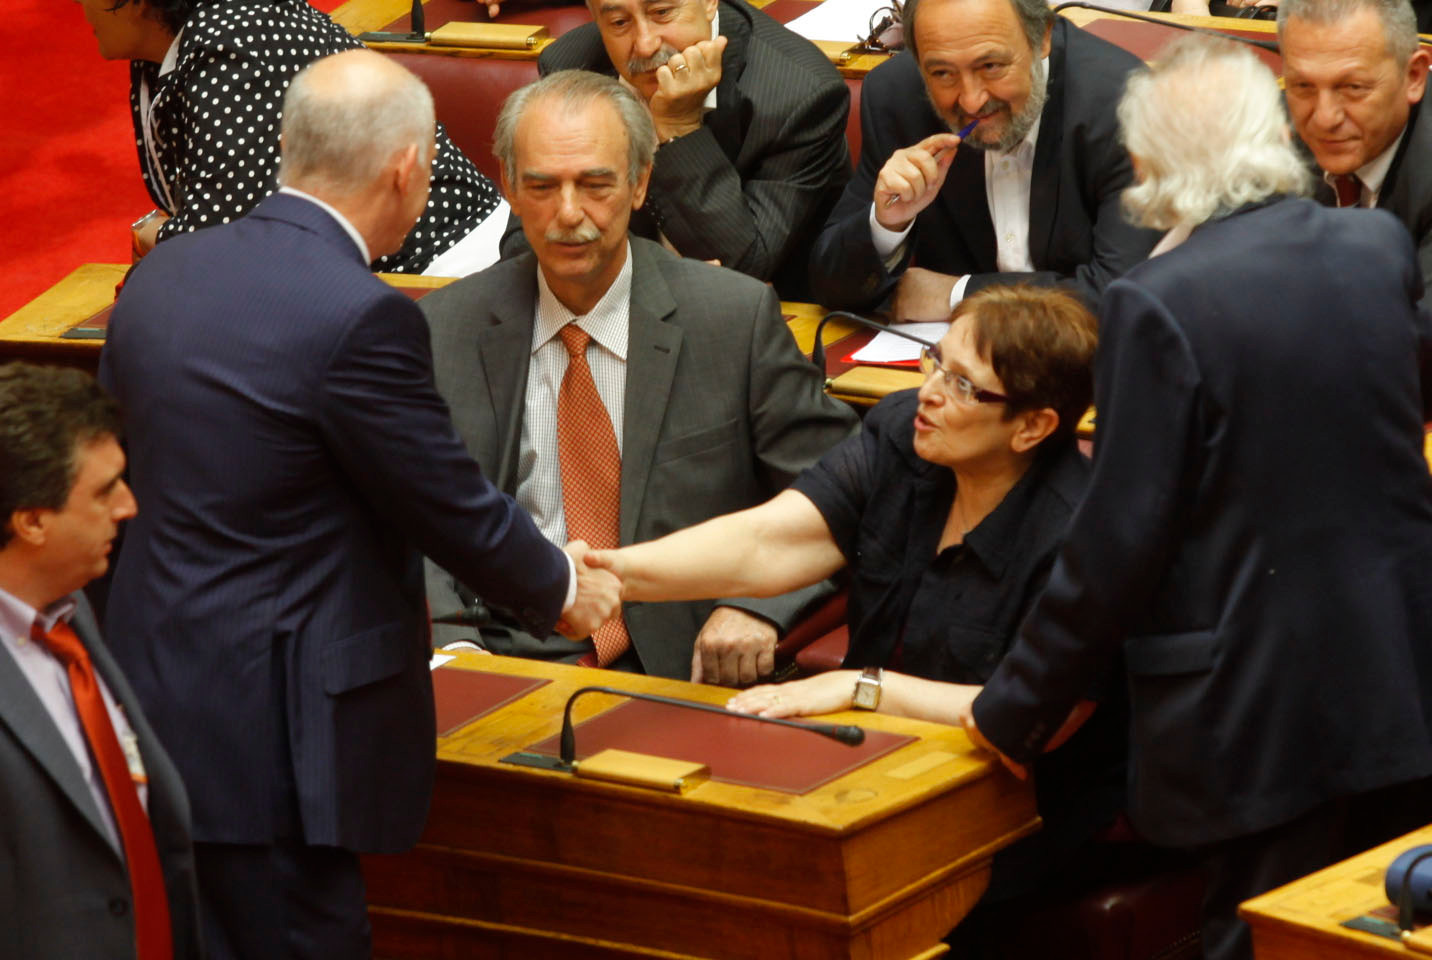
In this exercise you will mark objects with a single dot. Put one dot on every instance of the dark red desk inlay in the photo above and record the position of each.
(464, 695)
(737, 749)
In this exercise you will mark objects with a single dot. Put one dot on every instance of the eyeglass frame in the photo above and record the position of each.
(957, 386)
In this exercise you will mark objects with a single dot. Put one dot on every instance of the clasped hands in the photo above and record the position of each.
(599, 595)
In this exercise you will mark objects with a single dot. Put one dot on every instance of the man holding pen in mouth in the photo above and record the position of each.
(990, 155)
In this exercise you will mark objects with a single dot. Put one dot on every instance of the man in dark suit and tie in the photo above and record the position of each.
(702, 403)
(1256, 541)
(750, 119)
(1355, 77)
(1031, 194)
(294, 458)
(93, 820)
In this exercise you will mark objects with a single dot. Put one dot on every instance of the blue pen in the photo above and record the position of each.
(963, 132)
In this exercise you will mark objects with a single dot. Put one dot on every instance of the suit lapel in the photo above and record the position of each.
(1044, 178)
(725, 121)
(653, 347)
(31, 725)
(504, 350)
(1396, 191)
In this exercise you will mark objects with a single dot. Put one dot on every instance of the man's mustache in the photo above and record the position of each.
(585, 233)
(648, 64)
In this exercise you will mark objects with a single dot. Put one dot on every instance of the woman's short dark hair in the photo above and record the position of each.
(1040, 342)
(171, 13)
(46, 413)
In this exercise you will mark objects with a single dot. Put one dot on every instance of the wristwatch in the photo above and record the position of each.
(867, 689)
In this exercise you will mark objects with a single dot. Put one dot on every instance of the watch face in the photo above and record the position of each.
(867, 694)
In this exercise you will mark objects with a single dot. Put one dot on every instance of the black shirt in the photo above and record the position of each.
(952, 615)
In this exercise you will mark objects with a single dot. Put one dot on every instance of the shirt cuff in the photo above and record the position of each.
(957, 292)
(571, 584)
(889, 244)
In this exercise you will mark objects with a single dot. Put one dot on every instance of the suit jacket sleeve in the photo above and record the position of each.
(750, 220)
(392, 431)
(1121, 537)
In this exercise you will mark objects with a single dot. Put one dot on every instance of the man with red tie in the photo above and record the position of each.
(95, 859)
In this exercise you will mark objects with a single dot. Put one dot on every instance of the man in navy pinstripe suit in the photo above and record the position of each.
(292, 457)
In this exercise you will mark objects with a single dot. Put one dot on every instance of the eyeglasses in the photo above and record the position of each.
(957, 386)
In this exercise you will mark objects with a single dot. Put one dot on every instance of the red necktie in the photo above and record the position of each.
(146, 879)
(1349, 189)
(591, 472)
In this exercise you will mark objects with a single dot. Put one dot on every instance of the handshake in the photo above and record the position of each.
(599, 592)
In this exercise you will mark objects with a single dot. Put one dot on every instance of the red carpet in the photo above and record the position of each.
(69, 174)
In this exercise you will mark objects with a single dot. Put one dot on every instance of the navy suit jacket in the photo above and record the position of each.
(64, 890)
(1257, 535)
(1077, 233)
(291, 458)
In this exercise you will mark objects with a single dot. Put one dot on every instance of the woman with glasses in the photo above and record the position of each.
(947, 510)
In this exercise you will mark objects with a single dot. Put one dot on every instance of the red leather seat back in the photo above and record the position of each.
(852, 123)
(468, 92)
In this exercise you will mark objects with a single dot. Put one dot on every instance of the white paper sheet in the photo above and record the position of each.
(888, 348)
(847, 21)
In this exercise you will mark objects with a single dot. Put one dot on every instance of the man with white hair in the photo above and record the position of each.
(1256, 542)
(1356, 78)
(293, 458)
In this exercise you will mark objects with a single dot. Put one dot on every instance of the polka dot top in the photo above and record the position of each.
(216, 117)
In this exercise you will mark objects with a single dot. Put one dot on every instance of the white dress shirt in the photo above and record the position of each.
(539, 471)
(1372, 174)
(1007, 182)
(51, 683)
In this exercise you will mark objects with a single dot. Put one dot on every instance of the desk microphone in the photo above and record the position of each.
(418, 33)
(1261, 44)
(817, 350)
(847, 734)
(1408, 884)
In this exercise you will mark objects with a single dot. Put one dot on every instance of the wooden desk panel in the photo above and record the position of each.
(1304, 919)
(518, 862)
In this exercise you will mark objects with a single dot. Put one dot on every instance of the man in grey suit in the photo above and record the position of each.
(705, 403)
(1355, 79)
(750, 119)
(67, 849)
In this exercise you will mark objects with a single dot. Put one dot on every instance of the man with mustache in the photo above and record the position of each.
(1032, 194)
(617, 391)
(750, 124)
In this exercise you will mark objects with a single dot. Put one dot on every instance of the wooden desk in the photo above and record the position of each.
(532, 864)
(1304, 919)
(35, 331)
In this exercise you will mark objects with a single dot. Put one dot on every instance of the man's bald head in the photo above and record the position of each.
(346, 116)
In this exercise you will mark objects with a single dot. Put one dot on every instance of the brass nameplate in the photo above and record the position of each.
(491, 36)
(640, 770)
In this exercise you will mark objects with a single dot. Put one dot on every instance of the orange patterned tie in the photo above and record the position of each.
(591, 472)
(146, 877)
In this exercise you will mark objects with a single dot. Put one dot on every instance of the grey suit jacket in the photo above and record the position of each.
(721, 410)
(64, 891)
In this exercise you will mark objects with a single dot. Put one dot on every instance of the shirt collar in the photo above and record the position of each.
(171, 56)
(995, 536)
(348, 228)
(605, 322)
(1374, 172)
(17, 616)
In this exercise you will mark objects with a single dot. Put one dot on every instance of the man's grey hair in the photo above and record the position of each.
(338, 134)
(573, 89)
(1035, 17)
(1207, 126)
(1399, 23)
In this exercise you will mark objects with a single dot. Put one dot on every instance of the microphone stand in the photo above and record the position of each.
(817, 350)
(417, 34)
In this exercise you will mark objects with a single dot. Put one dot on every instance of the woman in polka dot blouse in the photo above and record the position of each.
(207, 79)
